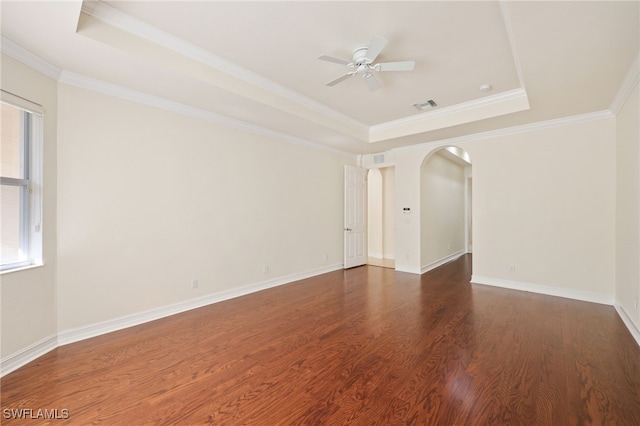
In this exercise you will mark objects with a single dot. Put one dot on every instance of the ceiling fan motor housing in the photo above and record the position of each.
(362, 64)
(359, 56)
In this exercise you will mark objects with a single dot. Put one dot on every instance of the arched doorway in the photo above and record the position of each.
(445, 206)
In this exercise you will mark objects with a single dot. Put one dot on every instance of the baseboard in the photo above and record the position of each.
(26, 355)
(562, 292)
(93, 330)
(391, 256)
(627, 321)
(584, 296)
(434, 265)
(37, 349)
(376, 255)
(407, 268)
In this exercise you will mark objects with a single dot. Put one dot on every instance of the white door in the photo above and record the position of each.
(355, 216)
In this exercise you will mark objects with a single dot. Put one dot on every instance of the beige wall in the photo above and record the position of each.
(150, 200)
(381, 212)
(28, 298)
(543, 202)
(627, 208)
(375, 214)
(442, 207)
(388, 212)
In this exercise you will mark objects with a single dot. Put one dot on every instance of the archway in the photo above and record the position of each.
(445, 206)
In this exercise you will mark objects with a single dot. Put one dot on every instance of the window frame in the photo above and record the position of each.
(30, 183)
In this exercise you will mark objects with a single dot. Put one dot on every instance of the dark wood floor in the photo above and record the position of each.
(367, 346)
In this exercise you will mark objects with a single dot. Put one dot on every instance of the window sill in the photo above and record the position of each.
(21, 268)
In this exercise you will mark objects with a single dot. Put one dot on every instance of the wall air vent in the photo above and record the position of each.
(378, 159)
(426, 105)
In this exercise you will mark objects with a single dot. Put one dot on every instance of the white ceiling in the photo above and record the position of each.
(257, 61)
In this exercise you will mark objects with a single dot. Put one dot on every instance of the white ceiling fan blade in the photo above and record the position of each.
(339, 79)
(334, 60)
(375, 47)
(395, 66)
(371, 81)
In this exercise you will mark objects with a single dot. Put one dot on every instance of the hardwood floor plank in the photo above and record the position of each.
(366, 346)
(552, 382)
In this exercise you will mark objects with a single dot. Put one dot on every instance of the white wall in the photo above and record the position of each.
(28, 297)
(375, 206)
(381, 213)
(388, 212)
(543, 202)
(442, 209)
(627, 208)
(150, 200)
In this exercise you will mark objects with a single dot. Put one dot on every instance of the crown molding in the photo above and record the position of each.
(132, 25)
(447, 111)
(628, 84)
(507, 131)
(498, 104)
(35, 62)
(547, 124)
(512, 101)
(31, 60)
(114, 90)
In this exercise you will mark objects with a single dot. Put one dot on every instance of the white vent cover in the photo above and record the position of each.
(423, 106)
(378, 159)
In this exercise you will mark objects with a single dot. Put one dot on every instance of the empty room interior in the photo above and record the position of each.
(320, 212)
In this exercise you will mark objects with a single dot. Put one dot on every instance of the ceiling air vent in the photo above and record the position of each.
(378, 159)
(426, 105)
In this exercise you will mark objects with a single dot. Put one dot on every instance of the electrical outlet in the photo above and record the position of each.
(265, 269)
(636, 304)
(512, 268)
(194, 283)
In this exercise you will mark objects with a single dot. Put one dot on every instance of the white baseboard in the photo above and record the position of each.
(37, 349)
(627, 321)
(377, 255)
(407, 268)
(584, 296)
(563, 292)
(93, 330)
(434, 265)
(26, 355)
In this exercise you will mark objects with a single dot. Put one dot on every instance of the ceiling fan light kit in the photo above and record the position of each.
(362, 62)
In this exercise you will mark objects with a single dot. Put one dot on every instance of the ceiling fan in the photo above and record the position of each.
(363, 65)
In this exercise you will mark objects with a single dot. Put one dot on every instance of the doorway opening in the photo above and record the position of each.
(381, 217)
(445, 207)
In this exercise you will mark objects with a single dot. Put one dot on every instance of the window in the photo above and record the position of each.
(20, 183)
